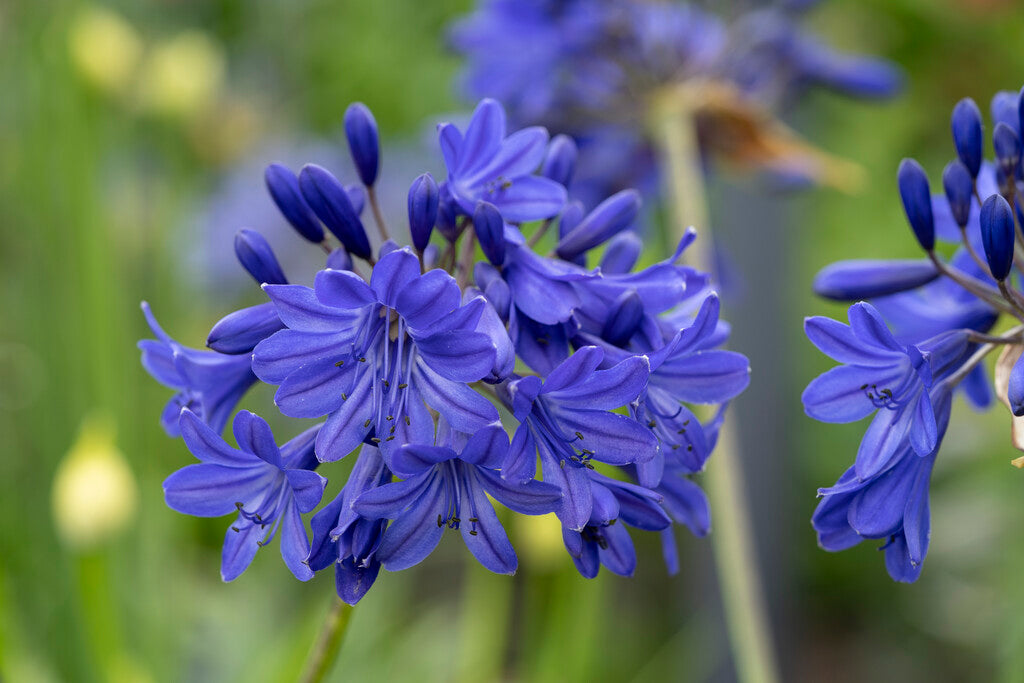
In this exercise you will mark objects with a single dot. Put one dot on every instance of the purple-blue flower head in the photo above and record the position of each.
(267, 486)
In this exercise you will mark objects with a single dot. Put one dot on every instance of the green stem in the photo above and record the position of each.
(328, 642)
(735, 557)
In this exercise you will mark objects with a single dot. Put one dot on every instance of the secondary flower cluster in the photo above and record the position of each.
(596, 69)
(923, 336)
(449, 367)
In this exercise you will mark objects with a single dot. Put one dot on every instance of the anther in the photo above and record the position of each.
(236, 529)
(579, 436)
(367, 423)
(472, 532)
(652, 424)
(375, 439)
(362, 359)
(390, 438)
(407, 421)
(339, 363)
(403, 385)
(440, 522)
(344, 396)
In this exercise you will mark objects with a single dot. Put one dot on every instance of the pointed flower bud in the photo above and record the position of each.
(997, 235)
(609, 218)
(560, 162)
(622, 253)
(623, 319)
(967, 137)
(258, 258)
(917, 202)
(357, 197)
(1006, 143)
(331, 203)
(866, 279)
(424, 198)
(490, 230)
(363, 141)
(284, 190)
(959, 187)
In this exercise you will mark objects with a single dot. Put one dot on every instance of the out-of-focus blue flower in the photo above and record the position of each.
(925, 336)
(591, 68)
(267, 486)
(208, 383)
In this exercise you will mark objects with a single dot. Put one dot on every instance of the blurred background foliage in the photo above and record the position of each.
(126, 131)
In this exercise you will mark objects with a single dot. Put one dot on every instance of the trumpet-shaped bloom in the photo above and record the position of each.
(267, 486)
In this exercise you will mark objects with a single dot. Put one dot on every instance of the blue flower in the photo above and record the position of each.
(374, 356)
(604, 539)
(447, 485)
(891, 505)
(566, 419)
(208, 383)
(486, 165)
(267, 486)
(879, 374)
(342, 538)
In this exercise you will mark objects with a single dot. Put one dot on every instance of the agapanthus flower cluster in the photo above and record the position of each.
(923, 337)
(598, 69)
(450, 367)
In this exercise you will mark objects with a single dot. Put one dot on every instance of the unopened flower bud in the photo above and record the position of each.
(609, 218)
(490, 231)
(967, 136)
(256, 256)
(560, 162)
(424, 198)
(284, 190)
(622, 253)
(363, 141)
(917, 202)
(1006, 143)
(959, 187)
(332, 205)
(997, 235)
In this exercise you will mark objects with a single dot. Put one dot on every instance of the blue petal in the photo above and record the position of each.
(348, 426)
(207, 445)
(299, 309)
(619, 555)
(877, 510)
(528, 198)
(521, 464)
(869, 327)
(608, 389)
(485, 538)
(241, 542)
(458, 355)
(837, 396)
(413, 459)
(287, 351)
(433, 295)
(307, 487)
(614, 439)
(214, 490)
(886, 434)
(390, 500)
(577, 498)
(314, 390)
(867, 279)
(392, 274)
(924, 432)
(898, 562)
(352, 582)
(520, 154)
(463, 408)
(483, 137)
(295, 543)
(342, 289)
(415, 533)
(687, 503)
(531, 498)
(838, 342)
(706, 376)
(574, 371)
(831, 521)
(487, 447)
(254, 436)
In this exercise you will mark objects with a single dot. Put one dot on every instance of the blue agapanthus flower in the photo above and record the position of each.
(594, 69)
(923, 336)
(450, 366)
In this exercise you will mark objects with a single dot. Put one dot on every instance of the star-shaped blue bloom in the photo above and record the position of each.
(269, 487)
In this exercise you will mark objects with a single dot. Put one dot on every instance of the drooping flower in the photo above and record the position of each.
(208, 383)
(448, 485)
(267, 486)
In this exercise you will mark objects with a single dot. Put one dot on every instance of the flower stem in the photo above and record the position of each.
(328, 642)
(736, 559)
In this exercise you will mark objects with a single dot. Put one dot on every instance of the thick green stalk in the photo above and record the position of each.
(328, 642)
(735, 556)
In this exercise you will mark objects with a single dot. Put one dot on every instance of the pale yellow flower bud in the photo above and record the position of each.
(182, 77)
(94, 490)
(104, 49)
